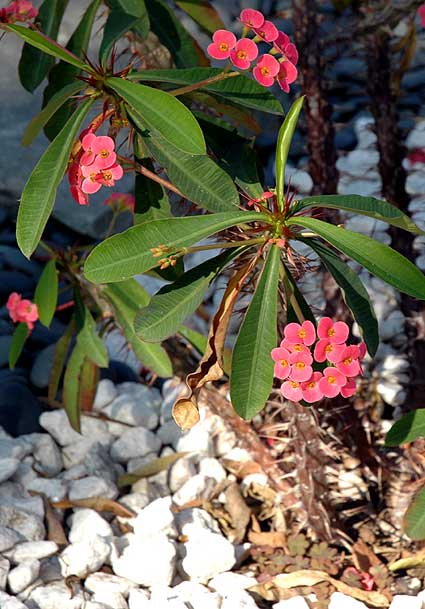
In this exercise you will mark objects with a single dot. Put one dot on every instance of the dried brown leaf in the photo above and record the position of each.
(274, 539)
(241, 469)
(238, 511)
(363, 557)
(99, 504)
(150, 469)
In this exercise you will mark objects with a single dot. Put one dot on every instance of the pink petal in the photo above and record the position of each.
(310, 330)
(225, 37)
(281, 42)
(329, 390)
(311, 390)
(280, 353)
(88, 140)
(281, 372)
(89, 187)
(214, 51)
(242, 64)
(103, 142)
(252, 18)
(79, 196)
(337, 377)
(320, 353)
(325, 324)
(266, 81)
(341, 332)
(268, 31)
(301, 356)
(291, 391)
(349, 389)
(292, 53)
(300, 374)
(421, 12)
(104, 162)
(334, 352)
(288, 71)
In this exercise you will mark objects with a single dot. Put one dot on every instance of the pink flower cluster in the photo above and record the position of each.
(294, 361)
(121, 201)
(22, 310)
(19, 10)
(243, 52)
(94, 166)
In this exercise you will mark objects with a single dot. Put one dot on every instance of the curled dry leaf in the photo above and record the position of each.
(410, 562)
(241, 469)
(185, 410)
(273, 539)
(150, 469)
(305, 577)
(100, 504)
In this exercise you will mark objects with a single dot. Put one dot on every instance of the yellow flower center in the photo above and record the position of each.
(266, 72)
(294, 385)
(241, 54)
(283, 363)
(348, 361)
(107, 175)
(104, 153)
(302, 333)
(329, 348)
(331, 380)
(300, 365)
(223, 46)
(298, 348)
(311, 385)
(331, 332)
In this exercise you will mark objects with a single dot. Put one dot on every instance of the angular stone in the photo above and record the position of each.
(28, 525)
(54, 596)
(4, 572)
(197, 487)
(92, 486)
(8, 466)
(8, 538)
(108, 583)
(84, 557)
(342, 601)
(201, 565)
(105, 393)
(155, 518)
(127, 408)
(23, 575)
(136, 442)
(33, 549)
(86, 524)
(149, 563)
(54, 489)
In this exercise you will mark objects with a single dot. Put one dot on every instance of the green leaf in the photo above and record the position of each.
(197, 176)
(379, 259)
(18, 341)
(46, 293)
(407, 428)
(71, 387)
(35, 64)
(129, 253)
(89, 341)
(137, 8)
(126, 298)
(196, 339)
(252, 365)
(38, 197)
(169, 307)
(354, 293)
(117, 24)
(367, 206)
(150, 469)
(162, 113)
(55, 102)
(284, 140)
(59, 359)
(238, 89)
(183, 48)
(203, 13)
(62, 74)
(414, 518)
(152, 201)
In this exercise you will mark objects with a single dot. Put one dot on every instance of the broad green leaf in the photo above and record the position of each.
(367, 206)
(284, 140)
(46, 293)
(152, 201)
(62, 74)
(414, 518)
(162, 113)
(55, 102)
(236, 88)
(241, 164)
(71, 387)
(18, 341)
(59, 359)
(126, 298)
(203, 12)
(35, 64)
(117, 24)
(48, 46)
(38, 197)
(183, 48)
(129, 253)
(407, 428)
(169, 307)
(136, 8)
(198, 177)
(298, 309)
(90, 342)
(252, 365)
(354, 293)
(133, 8)
(379, 259)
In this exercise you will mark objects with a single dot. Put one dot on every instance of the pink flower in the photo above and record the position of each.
(267, 31)
(334, 332)
(311, 390)
(19, 10)
(349, 363)
(91, 182)
(266, 69)
(294, 347)
(287, 75)
(291, 390)
(332, 381)
(365, 578)
(223, 42)
(281, 367)
(304, 333)
(325, 350)
(252, 18)
(349, 388)
(301, 369)
(98, 149)
(283, 45)
(421, 12)
(362, 349)
(108, 176)
(244, 52)
(75, 178)
(22, 310)
(266, 195)
(121, 201)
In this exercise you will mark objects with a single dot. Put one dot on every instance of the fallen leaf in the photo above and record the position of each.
(150, 469)
(241, 469)
(100, 504)
(238, 511)
(363, 557)
(415, 560)
(273, 539)
(305, 577)
(210, 368)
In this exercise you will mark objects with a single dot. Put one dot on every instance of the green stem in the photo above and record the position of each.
(48, 249)
(290, 293)
(224, 245)
(203, 83)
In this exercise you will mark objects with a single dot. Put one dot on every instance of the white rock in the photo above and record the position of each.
(301, 180)
(14, 448)
(238, 454)
(8, 538)
(127, 408)
(28, 525)
(171, 391)
(200, 564)
(8, 466)
(87, 524)
(296, 602)
(164, 597)
(358, 162)
(147, 561)
(139, 599)
(112, 600)
(239, 600)
(155, 518)
(420, 262)
(23, 575)
(258, 479)
(106, 582)
(169, 432)
(136, 501)
(10, 602)
(180, 472)
(95, 605)
(136, 442)
(392, 393)
(105, 393)
(196, 596)
(226, 583)
(365, 225)
(212, 468)
(402, 601)
(415, 183)
(54, 596)
(55, 489)
(92, 486)
(57, 424)
(194, 521)
(93, 456)
(224, 442)
(342, 601)
(33, 549)
(143, 393)
(361, 186)
(197, 487)
(48, 457)
(84, 557)
(394, 324)
(4, 572)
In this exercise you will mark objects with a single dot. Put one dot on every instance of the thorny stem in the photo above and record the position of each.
(225, 245)
(152, 176)
(202, 83)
